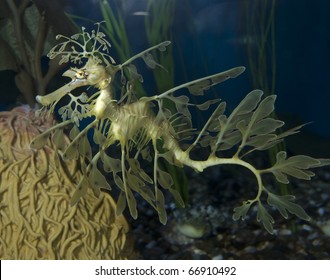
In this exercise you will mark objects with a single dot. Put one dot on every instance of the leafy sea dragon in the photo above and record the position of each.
(125, 124)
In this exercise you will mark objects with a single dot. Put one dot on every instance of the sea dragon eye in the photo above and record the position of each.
(81, 74)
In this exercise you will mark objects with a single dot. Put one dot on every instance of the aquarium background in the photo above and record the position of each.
(210, 36)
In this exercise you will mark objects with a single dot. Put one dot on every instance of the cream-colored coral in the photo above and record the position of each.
(36, 219)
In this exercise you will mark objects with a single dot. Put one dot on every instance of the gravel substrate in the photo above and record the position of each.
(213, 195)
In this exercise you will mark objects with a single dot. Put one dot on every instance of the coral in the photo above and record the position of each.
(36, 219)
(142, 129)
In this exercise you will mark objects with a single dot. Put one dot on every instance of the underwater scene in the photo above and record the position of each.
(164, 129)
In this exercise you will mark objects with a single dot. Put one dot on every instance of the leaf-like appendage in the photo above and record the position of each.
(164, 179)
(160, 206)
(227, 136)
(206, 105)
(40, 141)
(146, 54)
(296, 166)
(265, 108)
(162, 46)
(149, 61)
(285, 203)
(260, 140)
(81, 46)
(98, 137)
(248, 104)
(71, 152)
(110, 164)
(134, 182)
(177, 197)
(137, 185)
(134, 75)
(199, 86)
(266, 126)
(256, 129)
(138, 171)
(181, 104)
(214, 124)
(85, 148)
(265, 218)
(77, 109)
(136, 178)
(119, 182)
(97, 180)
(74, 132)
(146, 155)
(131, 201)
(240, 212)
(134, 165)
(277, 138)
(58, 139)
(121, 203)
(80, 191)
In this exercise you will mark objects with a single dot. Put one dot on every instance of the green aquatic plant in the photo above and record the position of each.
(25, 37)
(130, 130)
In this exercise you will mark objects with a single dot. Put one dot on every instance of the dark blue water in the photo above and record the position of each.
(209, 37)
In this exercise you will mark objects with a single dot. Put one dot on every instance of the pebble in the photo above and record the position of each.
(326, 228)
(321, 211)
(307, 227)
(218, 257)
(250, 249)
(151, 244)
(285, 232)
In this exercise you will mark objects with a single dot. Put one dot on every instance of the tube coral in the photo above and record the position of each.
(36, 219)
